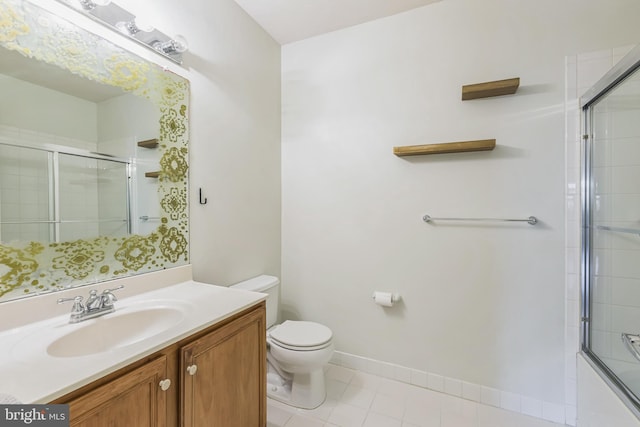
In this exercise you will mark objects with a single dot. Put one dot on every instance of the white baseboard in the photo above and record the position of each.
(549, 411)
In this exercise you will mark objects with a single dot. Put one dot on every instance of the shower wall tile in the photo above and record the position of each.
(601, 317)
(625, 207)
(625, 179)
(571, 266)
(625, 291)
(602, 177)
(573, 209)
(573, 310)
(570, 362)
(601, 342)
(601, 293)
(573, 287)
(625, 124)
(573, 236)
(625, 263)
(625, 318)
(626, 152)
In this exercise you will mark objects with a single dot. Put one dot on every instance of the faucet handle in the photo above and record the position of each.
(112, 289)
(77, 308)
(108, 298)
(93, 302)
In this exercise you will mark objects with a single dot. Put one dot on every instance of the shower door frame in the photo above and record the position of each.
(54, 152)
(623, 69)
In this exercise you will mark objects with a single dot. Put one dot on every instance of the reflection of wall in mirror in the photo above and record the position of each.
(123, 121)
(71, 121)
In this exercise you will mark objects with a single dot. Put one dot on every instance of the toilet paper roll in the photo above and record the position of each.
(384, 299)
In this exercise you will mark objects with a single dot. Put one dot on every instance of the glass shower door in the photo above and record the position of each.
(51, 196)
(26, 205)
(93, 197)
(611, 239)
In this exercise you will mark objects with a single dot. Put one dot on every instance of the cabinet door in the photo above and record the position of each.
(223, 375)
(134, 399)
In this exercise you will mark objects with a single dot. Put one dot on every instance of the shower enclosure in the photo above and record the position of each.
(611, 229)
(55, 194)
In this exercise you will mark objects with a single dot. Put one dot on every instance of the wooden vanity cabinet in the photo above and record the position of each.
(134, 399)
(217, 379)
(223, 376)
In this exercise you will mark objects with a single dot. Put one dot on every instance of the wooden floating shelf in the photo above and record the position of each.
(149, 143)
(489, 89)
(152, 174)
(448, 147)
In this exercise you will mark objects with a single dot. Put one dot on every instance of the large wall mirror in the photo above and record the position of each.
(93, 158)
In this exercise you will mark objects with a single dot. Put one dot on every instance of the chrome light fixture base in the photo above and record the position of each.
(124, 22)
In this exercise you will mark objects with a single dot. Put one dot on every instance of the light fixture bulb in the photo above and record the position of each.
(143, 24)
(126, 27)
(180, 43)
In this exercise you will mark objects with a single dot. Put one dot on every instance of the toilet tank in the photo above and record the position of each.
(267, 285)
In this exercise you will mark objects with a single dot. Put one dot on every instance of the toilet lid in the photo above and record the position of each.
(301, 334)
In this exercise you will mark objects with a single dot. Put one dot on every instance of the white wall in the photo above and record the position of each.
(483, 304)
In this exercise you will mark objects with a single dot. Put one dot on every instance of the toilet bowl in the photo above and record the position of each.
(297, 352)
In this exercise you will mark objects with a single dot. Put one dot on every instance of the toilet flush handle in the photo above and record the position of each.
(192, 369)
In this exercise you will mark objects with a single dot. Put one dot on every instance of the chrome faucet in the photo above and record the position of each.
(96, 305)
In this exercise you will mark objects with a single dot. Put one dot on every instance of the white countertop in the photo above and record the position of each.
(32, 375)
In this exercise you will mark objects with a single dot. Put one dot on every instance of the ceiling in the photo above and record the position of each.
(288, 21)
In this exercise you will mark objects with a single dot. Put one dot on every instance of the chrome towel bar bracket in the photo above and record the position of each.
(531, 220)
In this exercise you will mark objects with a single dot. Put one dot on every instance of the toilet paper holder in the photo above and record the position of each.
(385, 299)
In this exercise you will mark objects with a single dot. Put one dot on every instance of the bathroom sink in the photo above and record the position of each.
(116, 330)
(128, 325)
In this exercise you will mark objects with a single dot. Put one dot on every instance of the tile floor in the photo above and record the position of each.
(357, 399)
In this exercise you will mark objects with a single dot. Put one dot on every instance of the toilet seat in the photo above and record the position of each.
(301, 335)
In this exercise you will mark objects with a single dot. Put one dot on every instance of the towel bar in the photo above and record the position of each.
(531, 220)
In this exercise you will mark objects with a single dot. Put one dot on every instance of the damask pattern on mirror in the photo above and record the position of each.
(146, 227)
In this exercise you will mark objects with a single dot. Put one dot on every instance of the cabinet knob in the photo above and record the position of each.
(165, 384)
(192, 369)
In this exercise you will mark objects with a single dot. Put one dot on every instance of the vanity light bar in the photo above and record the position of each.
(124, 22)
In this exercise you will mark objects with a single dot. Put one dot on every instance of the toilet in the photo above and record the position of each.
(297, 351)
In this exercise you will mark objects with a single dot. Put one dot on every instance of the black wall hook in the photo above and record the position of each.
(202, 202)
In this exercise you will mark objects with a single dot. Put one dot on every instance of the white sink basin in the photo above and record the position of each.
(128, 325)
(115, 330)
